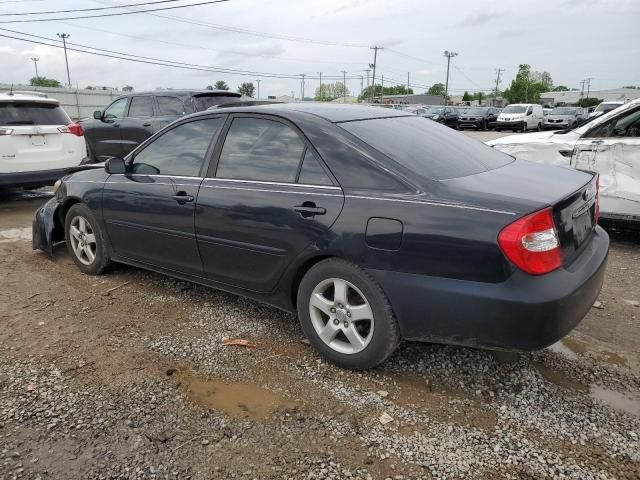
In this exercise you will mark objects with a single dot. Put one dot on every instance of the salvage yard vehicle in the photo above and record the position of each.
(372, 224)
(38, 140)
(606, 107)
(130, 119)
(445, 115)
(480, 118)
(520, 116)
(608, 144)
(564, 117)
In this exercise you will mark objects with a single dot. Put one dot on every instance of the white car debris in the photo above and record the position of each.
(609, 145)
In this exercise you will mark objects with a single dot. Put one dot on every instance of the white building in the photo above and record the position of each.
(573, 97)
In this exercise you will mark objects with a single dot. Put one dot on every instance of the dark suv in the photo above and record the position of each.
(445, 115)
(132, 118)
(480, 118)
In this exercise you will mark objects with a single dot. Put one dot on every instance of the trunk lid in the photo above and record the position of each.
(523, 187)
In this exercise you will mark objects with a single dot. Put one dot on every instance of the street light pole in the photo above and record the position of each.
(449, 56)
(35, 63)
(258, 82)
(64, 37)
(321, 96)
(302, 86)
(344, 85)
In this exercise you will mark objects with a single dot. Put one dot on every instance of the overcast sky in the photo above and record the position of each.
(571, 39)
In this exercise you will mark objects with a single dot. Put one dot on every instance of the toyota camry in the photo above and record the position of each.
(373, 225)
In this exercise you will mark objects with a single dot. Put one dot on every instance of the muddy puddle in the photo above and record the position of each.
(559, 378)
(572, 347)
(15, 234)
(240, 400)
(625, 402)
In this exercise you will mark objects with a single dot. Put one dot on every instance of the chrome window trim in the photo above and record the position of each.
(270, 191)
(280, 184)
(436, 204)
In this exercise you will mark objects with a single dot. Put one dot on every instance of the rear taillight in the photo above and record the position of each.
(6, 131)
(73, 128)
(597, 212)
(531, 243)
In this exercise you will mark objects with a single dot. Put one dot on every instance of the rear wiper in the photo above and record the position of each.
(24, 122)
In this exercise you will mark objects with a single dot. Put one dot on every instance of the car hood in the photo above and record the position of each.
(536, 137)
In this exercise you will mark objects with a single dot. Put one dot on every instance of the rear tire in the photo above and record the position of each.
(346, 316)
(539, 127)
(86, 243)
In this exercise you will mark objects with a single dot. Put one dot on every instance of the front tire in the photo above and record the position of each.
(85, 241)
(346, 316)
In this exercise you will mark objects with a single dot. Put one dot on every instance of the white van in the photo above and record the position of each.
(520, 116)
(38, 141)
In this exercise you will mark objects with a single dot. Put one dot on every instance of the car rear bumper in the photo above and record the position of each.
(32, 179)
(517, 124)
(523, 313)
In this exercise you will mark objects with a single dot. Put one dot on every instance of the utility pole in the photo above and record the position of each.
(582, 82)
(382, 95)
(407, 83)
(344, 84)
(589, 85)
(367, 70)
(302, 86)
(361, 83)
(449, 56)
(375, 49)
(498, 73)
(35, 63)
(258, 82)
(64, 37)
(321, 96)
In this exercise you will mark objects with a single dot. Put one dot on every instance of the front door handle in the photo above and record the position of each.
(116, 125)
(309, 209)
(182, 197)
(146, 124)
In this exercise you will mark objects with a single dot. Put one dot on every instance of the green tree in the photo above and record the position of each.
(528, 85)
(127, 88)
(560, 88)
(44, 82)
(209, 87)
(221, 85)
(466, 97)
(247, 89)
(436, 89)
(330, 91)
(631, 86)
(590, 102)
(394, 90)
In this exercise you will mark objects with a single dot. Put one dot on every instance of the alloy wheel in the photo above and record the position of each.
(83, 240)
(341, 316)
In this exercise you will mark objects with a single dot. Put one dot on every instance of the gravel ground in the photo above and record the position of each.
(103, 379)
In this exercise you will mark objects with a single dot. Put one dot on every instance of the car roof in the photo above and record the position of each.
(195, 93)
(27, 96)
(334, 113)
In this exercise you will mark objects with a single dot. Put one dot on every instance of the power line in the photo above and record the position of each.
(90, 9)
(152, 60)
(114, 14)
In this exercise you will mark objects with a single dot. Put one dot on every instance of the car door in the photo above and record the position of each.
(613, 150)
(266, 198)
(138, 124)
(105, 133)
(149, 210)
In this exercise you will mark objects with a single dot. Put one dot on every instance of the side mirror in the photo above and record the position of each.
(115, 165)
(97, 115)
(530, 113)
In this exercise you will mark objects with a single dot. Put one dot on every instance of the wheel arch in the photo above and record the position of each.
(301, 271)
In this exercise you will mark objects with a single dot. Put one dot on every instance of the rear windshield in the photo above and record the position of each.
(426, 148)
(32, 113)
(203, 102)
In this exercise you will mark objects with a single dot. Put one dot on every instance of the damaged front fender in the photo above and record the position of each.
(46, 227)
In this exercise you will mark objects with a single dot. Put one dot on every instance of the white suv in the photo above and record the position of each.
(38, 141)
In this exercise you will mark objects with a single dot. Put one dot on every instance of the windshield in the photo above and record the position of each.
(475, 111)
(434, 110)
(425, 148)
(606, 107)
(514, 109)
(32, 113)
(563, 111)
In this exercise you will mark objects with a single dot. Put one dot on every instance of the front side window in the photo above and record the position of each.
(312, 172)
(180, 151)
(260, 149)
(171, 105)
(116, 109)
(141, 107)
(627, 125)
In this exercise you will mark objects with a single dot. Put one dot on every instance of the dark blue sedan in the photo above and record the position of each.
(372, 224)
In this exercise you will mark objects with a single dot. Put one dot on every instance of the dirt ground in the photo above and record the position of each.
(127, 375)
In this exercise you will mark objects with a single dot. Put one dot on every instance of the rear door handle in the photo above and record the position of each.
(116, 125)
(146, 124)
(182, 197)
(309, 209)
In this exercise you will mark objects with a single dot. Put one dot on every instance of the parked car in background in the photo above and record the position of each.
(132, 118)
(564, 117)
(480, 118)
(520, 116)
(445, 115)
(38, 140)
(373, 225)
(608, 144)
(606, 107)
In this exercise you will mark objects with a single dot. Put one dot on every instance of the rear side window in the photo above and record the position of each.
(141, 107)
(171, 106)
(260, 149)
(32, 113)
(312, 172)
(427, 149)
